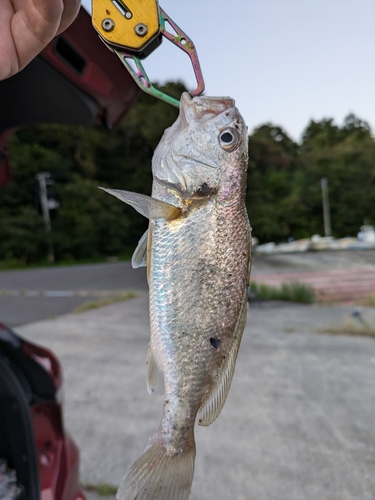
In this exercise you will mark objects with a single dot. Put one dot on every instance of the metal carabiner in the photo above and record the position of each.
(123, 39)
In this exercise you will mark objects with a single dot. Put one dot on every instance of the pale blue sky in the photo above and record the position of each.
(284, 61)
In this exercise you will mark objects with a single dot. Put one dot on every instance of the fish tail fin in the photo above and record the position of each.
(157, 475)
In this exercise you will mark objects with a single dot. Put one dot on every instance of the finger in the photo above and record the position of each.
(8, 56)
(71, 9)
(28, 27)
(41, 18)
(56, 16)
(33, 27)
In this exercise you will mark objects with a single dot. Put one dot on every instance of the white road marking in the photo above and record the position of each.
(62, 293)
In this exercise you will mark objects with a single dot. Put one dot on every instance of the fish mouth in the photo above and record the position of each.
(203, 108)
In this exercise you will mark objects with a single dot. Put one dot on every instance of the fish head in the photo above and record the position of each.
(194, 153)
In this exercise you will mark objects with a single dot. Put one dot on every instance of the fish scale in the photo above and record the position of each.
(202, 298)
(186, 316)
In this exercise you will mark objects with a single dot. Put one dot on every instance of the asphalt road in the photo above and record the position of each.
(298, 423)
(36, 294)
(55, 291)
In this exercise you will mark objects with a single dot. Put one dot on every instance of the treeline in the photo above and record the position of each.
(284, 190)
(283, 198)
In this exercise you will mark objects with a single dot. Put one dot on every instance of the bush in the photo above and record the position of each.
(291, 292)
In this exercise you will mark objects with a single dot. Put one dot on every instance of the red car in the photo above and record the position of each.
(39, 459)
(75, 80)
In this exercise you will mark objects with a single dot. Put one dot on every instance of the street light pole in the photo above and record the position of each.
(326, 209)
(41, 177)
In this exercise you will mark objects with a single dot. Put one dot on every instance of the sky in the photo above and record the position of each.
(283, 61)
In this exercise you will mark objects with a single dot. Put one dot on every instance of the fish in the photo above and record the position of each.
(197, 250)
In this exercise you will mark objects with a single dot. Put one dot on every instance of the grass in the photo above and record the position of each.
(102, 489)
(291, 292)
(368, 301)
(88, 306)
(349, 326)
(289, 329)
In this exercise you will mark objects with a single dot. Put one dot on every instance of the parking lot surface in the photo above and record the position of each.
(298, 423)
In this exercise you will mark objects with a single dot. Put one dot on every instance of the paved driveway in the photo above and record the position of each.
(298, 423)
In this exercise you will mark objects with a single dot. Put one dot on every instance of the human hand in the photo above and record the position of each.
(27, 26)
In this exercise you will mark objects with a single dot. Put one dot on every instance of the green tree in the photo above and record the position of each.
(89, 222)
(283, 197)
(271, 198)
(345, 156)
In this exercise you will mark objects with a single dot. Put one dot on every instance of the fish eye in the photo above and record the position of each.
(229, 139)
(226, 137)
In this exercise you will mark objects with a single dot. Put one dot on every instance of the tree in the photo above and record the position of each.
(272, 203)
(283, 196)
(89, 223)
(345, 156)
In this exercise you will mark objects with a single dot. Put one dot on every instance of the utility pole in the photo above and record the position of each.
(326, 209)
(42, 178)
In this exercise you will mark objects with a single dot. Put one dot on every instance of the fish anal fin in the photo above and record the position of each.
(139, 258)
(155, 378)
(146, 205)
(215, 399)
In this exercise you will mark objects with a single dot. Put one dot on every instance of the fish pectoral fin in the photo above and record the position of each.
(139, 258)
(215, 399)
(155, 378)
(146, 205)
(149, 246)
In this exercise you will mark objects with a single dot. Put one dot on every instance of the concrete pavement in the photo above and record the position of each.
(298, 423)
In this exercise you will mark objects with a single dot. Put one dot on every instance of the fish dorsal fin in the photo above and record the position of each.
(139, 258)
(215, 399)
(155, 378)
(146, 205)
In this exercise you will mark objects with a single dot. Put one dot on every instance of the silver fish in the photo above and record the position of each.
(198, 254)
